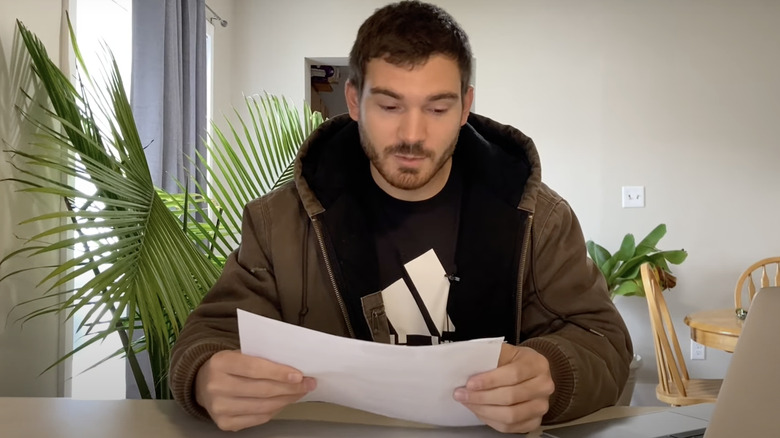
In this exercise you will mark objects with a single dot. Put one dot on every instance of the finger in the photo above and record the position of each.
(508, 353)
(233, 386)
(524, 427)
(241, 406)
(504, 417)
(525, 364)
(537, 387)
(236, 423)
(238, 364)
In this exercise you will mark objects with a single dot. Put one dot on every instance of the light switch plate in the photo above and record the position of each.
(633, 196)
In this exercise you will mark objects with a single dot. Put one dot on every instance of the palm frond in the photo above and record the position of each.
(254, 156)
(144, 264)
(152, 255)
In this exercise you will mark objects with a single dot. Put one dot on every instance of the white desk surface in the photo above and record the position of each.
(68, 418)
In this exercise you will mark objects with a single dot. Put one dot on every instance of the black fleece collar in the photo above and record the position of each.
(494, 154)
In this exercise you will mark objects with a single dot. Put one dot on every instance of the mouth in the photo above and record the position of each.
(409, 160)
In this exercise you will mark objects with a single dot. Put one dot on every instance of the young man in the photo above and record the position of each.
(412, 221)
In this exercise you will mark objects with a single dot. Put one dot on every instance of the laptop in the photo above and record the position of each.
(748, 401)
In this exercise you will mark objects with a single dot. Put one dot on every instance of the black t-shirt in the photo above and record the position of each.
(406, 232)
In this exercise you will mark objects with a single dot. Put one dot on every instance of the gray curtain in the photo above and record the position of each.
(168, 96)
(169, 86)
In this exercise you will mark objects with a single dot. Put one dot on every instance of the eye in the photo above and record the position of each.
(388, 108)
(439, 111)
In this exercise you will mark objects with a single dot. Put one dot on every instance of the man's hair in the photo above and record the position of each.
(408, 33)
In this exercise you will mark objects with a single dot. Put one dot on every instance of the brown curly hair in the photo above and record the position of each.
(407, 33)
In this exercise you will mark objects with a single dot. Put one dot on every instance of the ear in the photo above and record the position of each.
(352, 96)
(468, 99)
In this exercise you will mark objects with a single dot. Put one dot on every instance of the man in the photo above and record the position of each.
(412, 221)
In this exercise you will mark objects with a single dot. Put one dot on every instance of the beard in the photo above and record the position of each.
(403, 177)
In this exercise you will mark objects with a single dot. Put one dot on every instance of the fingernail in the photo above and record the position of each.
(310, 384)
(295, 377)
(473, 385)
(461, 395)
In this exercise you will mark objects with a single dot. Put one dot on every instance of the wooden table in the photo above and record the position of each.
(719, 328)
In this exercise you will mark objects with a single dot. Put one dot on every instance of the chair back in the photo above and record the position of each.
(672, 372)
(769, 268)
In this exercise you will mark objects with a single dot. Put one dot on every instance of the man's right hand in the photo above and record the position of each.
(240, 391)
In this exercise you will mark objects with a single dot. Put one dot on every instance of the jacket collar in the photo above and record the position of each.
(504, 159)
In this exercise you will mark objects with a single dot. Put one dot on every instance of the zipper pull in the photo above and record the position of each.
(595, 332)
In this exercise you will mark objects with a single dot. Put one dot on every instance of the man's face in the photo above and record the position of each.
(409, 120)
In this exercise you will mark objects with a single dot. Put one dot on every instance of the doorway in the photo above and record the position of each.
(325, 82)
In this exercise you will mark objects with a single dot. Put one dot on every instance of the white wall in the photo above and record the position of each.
(225, 94)
(681, 97)
(25, 351)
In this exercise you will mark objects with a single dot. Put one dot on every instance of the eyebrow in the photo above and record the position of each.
(434, 98)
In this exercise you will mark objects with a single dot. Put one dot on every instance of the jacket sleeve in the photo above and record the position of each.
(569, 318)
(247, 282)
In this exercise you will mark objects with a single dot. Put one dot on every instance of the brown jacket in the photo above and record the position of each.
(300, 257)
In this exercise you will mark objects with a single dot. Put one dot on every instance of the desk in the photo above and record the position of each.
(718, 328)
(68, 418)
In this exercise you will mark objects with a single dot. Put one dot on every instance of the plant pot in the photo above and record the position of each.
(628, 390)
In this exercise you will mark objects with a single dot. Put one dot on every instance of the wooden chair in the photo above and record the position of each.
(747, 277)
(674, 384)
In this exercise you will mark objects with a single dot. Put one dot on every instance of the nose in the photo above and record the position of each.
(412, 128)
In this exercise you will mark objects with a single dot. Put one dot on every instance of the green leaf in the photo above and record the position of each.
(630, 288)
(650, 242)
(597, 253)
(675, 257)
(625, 252)
(631, 269)
(627, 248)
(659, 259)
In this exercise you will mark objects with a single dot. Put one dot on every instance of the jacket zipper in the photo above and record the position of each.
(521, 275)
(342, 306)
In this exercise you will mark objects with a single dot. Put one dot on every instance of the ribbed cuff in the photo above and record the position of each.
(184, 371)
(563, 376)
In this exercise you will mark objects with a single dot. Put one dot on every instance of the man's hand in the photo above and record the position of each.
(240, 391)
(513, 397)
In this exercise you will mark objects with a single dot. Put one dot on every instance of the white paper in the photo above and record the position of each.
(410, 383)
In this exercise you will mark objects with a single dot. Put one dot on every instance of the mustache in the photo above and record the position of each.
(415, 149)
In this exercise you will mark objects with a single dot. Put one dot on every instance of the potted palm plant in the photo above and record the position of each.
(621, 272)
(151, 255)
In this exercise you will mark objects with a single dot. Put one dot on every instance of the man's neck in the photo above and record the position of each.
(429, 190)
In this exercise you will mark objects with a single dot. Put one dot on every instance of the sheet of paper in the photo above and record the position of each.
(410, 383)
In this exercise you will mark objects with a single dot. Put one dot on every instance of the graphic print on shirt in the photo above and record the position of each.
(430, 280)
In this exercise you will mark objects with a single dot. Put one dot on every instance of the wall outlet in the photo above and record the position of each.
(698, 351)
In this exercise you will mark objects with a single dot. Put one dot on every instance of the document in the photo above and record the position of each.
(409, 383)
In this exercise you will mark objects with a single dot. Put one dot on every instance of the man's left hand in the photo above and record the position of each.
(513, 397)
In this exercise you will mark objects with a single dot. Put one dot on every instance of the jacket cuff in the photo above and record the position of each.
(182, 376)
(562, 373)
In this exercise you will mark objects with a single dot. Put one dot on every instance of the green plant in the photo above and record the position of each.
(151, 255)
(621, 269)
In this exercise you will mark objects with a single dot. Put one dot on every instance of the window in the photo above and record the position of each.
(100, 23)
